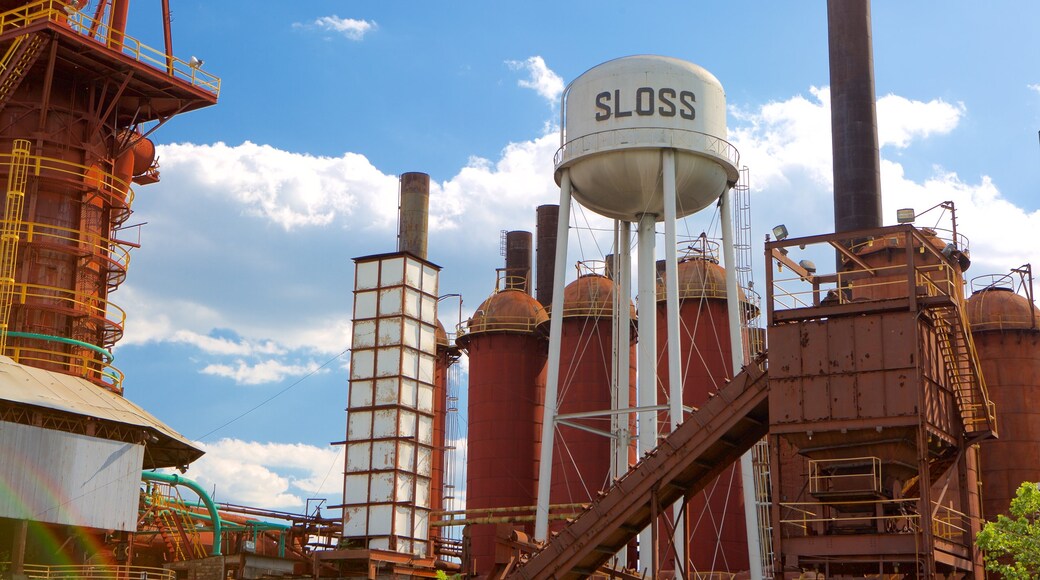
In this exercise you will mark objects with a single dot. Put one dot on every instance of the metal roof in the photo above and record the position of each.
(25, 385)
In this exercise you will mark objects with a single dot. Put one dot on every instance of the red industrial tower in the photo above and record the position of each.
(582, 465)
(507, 359)
(718, 541)
(79, 98)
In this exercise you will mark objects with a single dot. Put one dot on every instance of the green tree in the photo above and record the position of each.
(1012, 544)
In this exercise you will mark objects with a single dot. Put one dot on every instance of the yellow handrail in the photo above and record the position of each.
(54, 11)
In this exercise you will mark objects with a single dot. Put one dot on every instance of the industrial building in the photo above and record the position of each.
(861, 418)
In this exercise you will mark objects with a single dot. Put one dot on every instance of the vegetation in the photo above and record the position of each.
(1012, 544)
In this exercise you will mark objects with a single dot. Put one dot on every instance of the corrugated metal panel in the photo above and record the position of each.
(71, 479)
(52, 390)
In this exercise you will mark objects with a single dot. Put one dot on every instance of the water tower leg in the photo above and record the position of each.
(675, 379)
(747, 473)
(622, 380)
(647, 356)
(552, 380)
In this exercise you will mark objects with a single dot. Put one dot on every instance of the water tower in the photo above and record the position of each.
(642, 141)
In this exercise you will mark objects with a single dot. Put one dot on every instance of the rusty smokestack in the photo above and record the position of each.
(413, 221)
(548, 217)
(518, 260)
(854, 140)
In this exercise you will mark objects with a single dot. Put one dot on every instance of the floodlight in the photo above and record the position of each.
(905, 215)
(780, 232)
(195, 62)
(808, 265)
(949, 250)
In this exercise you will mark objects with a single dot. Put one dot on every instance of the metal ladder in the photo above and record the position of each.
(11, 231)
(749, 322)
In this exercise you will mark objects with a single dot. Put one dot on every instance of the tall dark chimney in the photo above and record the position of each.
(548, 217)
(854, 140)
(518, 260)
(414, 216)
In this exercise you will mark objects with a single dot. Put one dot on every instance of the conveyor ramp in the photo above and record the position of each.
(686, 461)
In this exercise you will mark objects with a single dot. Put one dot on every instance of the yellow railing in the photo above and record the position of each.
(111, 252)
(83, 363)
(111, 316)
(823, 473)
(1006, 322)
(95, 572)
(948, 523)
(898, 515)
(54, 11)
(495, 323)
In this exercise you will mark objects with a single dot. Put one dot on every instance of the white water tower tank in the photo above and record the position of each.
(619, 116)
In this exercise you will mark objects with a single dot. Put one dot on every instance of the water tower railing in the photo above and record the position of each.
(650, 138)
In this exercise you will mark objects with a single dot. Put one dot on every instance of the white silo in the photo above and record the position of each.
(643, 140)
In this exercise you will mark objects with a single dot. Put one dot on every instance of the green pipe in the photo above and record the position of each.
(253, 525)
(174, 479)
(62, 339)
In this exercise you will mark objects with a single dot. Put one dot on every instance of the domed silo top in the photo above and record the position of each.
(703, 279)
(1000, 308)
(619, 116)
(591, 296)
(509, 310)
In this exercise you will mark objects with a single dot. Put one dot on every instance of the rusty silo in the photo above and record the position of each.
(1006, 329)
(718, 541)
(583, 465)
(507, 359)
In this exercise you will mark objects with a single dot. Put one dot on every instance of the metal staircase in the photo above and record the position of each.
(707, 442)
(963, 371)
(20, 57)
(172, 521)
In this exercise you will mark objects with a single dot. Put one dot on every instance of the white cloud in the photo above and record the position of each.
(541, 79)
(289, 189)
(787, 146)
(900, 120)
(267, 371)
(272, 475)
(1035, 87)
(348, 27)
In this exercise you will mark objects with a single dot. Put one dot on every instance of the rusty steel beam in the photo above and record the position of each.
(854, 140)
(710, 439)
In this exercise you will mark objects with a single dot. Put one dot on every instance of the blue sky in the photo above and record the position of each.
(241, 291)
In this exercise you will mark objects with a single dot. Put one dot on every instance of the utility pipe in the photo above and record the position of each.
(174, 479)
